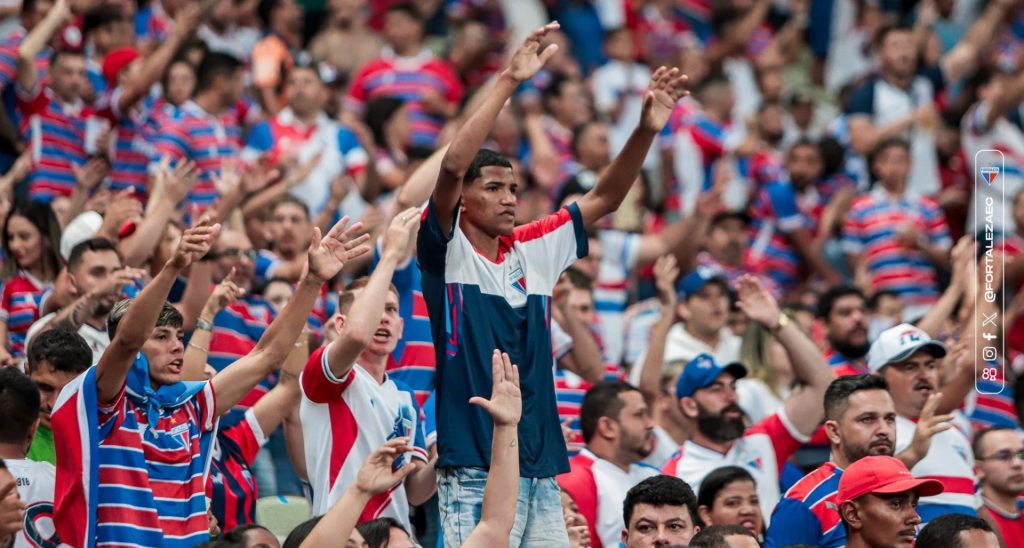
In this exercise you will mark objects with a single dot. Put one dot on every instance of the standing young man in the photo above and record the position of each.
(477, 265)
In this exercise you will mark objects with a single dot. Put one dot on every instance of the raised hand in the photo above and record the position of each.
(506, 403)
(401, 232)
(928, 425)
(528, 59)
(110, 292)
(229, 180)
(377, 474)
(226, 292)
(195, 242)
(756, 302)
(668, 85)
(666, 271)
(328, 254)
(89, 176)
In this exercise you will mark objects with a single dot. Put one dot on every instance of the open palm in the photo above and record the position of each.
(668, 85)
(756, 302)
(329, 254)
(506, 403)
(528, 59)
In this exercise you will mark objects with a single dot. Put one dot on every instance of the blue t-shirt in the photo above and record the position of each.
(509, 304)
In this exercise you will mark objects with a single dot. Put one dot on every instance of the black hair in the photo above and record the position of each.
(657, 491)
(165, 78)
(301, 531)
(832, 154)
(886, 30)
(64, 52)
(838, 393)
(62, 349)
(602, 400)
(579, 279)
(484, 158)
(805, 142)
(719, 479)
(101, 17)
(378, 113)
(944, 531)
(829, 298)
(876, 298)
(579, 131)
(554, 88)
(41, 217)
(214, 65)
(27, 6)
(19, 405)
(886, 144)
(377, 532)
(716, 536)
(979, 438)
(238, 533)
(169, 316)
(92, 244)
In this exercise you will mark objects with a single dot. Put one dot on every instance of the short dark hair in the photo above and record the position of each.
(407, 8)
(101, 17)
(979, 438)
(169, 316)
(579, 279)
(60, 53)
(554, 87)
(579, 131)
(299, 534)
(237, 535)
(602, 400)
(484, 158)
(886, 144)
(716, 535)
(293, 200)
(348, 295)
(63, 349)
(214, 65)
(719, 479)
(377, 532)
(265, 11)
(886, 30)
(660, 490)
(19, 405)
(876, 297)
(378, 113)
(92, 244)
(828, 299)
(944, 531)
(837, 395)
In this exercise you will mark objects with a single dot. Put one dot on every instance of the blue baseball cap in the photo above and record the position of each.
(696, 280)
(702, 371)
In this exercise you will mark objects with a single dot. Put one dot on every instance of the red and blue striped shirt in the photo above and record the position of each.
(779, 210)
(19, 308)
(56, 133)
(809, 512)
(231, 484)
(236, 330)
(135, 133)
(203, 138)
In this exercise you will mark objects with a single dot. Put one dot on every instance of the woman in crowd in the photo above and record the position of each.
(728, 496)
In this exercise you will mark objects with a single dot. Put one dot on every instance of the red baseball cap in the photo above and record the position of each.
(882, 475)
(116, 61)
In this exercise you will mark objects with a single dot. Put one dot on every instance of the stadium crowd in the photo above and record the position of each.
(551, 273)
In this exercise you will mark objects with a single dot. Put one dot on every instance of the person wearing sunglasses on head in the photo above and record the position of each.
(999, 467)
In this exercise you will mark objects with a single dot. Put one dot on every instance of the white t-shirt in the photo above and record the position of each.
(762, 451)
(681, 346)
(98, 340)
(757, 400)
(343, 421)
(35, 487)
(949, 461)
(612, 485)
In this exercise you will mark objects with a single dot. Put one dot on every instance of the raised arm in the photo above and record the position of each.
(272, 409)
(585, 357)
(962, 260)
(526, 62)
(198, 350)
(666, 270)
(35, 41)
(666, 87)
(376, 476)
(169, 188)
(803, 408)
(963, 58)
(138, 322)
(363, 318)
(185, 23)
(502, 489)
(326, 256)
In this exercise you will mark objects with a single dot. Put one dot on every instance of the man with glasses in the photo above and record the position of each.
(999, 465)
(908, 359)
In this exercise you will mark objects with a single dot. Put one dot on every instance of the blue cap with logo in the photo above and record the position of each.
(696, 280)
(702, 372)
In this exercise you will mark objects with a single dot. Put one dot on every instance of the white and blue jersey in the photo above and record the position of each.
(509, 302)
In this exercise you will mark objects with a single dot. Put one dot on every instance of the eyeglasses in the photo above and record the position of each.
(235, 254)
(1006, 455)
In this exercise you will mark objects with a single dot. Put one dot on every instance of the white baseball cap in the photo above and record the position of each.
(83, 227)
(899, 343)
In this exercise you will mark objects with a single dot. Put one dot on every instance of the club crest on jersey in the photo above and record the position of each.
(518, 280)
(754, 463)
(990, 174)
